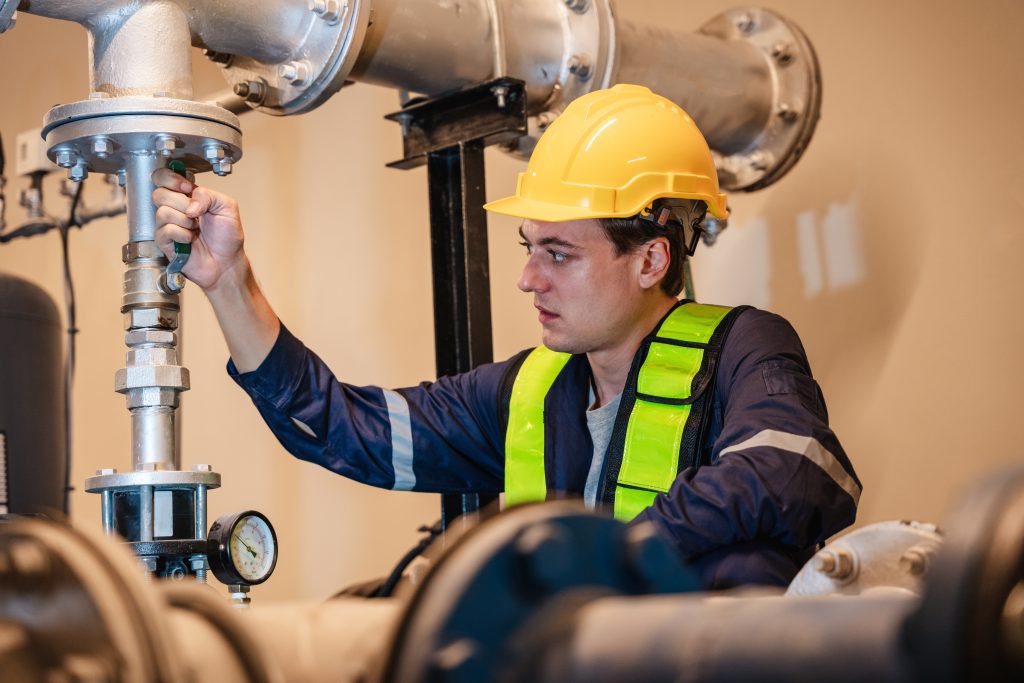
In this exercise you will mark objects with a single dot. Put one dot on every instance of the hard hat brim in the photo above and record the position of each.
(549, 212)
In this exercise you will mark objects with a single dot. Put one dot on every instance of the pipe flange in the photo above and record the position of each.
(319, 67)
(883, 555)
(588, 64)
(162, 479)
(99, 134)
(85, 604)
(796, 102)
(529, 566)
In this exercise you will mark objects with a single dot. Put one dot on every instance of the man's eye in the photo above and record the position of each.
(557, 256)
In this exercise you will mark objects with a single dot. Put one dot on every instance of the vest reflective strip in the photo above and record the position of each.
(650, 455)
(524, 439)
(401, 440)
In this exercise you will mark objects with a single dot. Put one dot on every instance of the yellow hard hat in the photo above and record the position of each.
(610, 155)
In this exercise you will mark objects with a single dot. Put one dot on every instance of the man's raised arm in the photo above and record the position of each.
(210, 222)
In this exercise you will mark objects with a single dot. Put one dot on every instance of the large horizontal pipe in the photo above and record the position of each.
(749, 78)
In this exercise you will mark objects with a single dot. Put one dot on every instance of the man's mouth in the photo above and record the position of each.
(545, 315)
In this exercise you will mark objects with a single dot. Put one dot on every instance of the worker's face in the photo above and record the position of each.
(587, 296)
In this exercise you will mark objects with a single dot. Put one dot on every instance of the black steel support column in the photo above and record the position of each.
(449, 133)
(458, 247)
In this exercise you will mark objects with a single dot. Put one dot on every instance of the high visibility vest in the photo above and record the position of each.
(663, 411)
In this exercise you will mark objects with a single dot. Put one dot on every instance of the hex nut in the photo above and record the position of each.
(214, 152)
(202, 468)
(166, 144)
(297, 73)
(78, 172)
(102, 146)
(165, 318)
(152, 397)
(65, 158)
(838, 564)
(106, 471)
(139, 337)
(158, 376)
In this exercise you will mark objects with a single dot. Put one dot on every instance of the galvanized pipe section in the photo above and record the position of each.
(143, 50)
(427, 47)
(725, 86)
(714, 640)
(139, 194)
(153, 436)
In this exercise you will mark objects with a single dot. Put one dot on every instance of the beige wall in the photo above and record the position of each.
(890, 247)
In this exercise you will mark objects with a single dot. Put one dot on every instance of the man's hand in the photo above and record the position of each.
(206, 219)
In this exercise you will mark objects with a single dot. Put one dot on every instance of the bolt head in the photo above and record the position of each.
(166, 145)
(222, 167)
(746, 23)
(102, 147)
(65, 158)
(202, 468)
(213, 152)
(106, 471)
(579, 66)
(838, 564)
(787, 113)
(297, 73)
(78, 172)
(783, 53)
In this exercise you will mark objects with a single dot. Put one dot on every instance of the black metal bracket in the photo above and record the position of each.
(448, 133)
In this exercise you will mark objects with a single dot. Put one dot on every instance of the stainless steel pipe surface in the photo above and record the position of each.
(702, 639)
(749, 78)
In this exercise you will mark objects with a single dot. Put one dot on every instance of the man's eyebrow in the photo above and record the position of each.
(547, 241)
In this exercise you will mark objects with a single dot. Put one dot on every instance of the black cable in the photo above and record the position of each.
(69, 360)
(388, 588)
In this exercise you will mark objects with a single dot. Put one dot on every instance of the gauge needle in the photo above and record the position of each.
(247, 546)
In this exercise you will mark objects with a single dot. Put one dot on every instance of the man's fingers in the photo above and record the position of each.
(168, 234)
(205, 200)
(168, 215)
(165, 177)
(175, 200)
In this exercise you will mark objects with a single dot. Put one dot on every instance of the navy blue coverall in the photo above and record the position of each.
(779, 482)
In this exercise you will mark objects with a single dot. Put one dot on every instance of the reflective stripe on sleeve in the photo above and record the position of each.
(401, 440)
(806, 446)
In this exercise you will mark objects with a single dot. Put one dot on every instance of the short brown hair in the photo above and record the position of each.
(629, 234)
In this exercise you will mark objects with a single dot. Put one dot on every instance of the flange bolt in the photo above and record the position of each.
(837, 564)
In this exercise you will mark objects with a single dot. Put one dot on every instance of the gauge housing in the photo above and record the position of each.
(219, 549)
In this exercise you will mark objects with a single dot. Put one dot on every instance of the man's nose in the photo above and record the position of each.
(530, 280)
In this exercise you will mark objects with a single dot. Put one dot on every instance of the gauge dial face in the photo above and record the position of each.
(252, 548)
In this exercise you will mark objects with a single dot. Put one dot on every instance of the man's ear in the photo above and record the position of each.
(654, 261)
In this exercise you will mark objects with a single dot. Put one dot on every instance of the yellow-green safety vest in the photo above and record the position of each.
(662, 394)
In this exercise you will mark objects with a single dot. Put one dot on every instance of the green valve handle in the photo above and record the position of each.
(173, 281)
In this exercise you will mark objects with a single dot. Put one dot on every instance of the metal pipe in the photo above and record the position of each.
(713, 640)
(153, 437)
(142, 52)
(725, 86)
(139, 195)
(108, 512)
(145, 513)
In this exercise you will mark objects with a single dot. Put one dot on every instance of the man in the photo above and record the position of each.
(703, 420)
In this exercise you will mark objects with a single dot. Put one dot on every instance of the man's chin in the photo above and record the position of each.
(559, 343)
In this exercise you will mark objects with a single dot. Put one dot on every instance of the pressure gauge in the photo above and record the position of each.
(242, 548)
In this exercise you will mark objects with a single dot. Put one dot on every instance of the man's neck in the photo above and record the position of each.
(610, 366)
